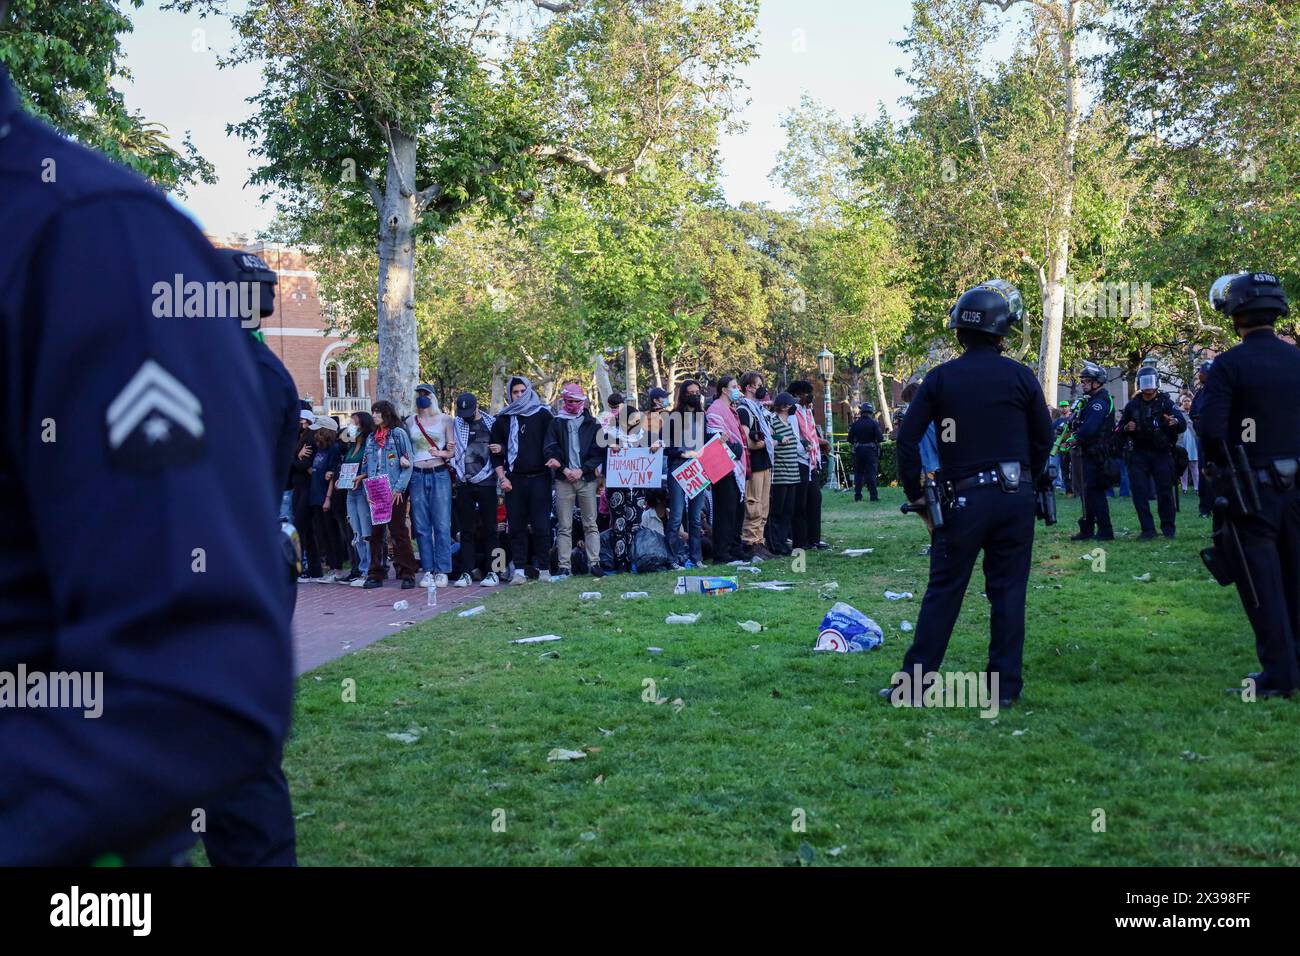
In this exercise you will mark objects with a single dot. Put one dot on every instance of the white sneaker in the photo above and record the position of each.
(490, 580)
(326, 578)
(463, 581)
(543, 575)
(439, 580)
(519, 577)
(358, 583)
(427, 581)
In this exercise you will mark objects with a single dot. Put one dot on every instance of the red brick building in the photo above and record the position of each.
(296, 333)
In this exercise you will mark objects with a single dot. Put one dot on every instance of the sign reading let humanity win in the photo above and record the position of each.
(633, 468)
(713, 464)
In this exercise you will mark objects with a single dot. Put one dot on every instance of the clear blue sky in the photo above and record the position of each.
(841, 52)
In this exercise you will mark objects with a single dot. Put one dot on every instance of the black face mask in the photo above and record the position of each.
(692, 401)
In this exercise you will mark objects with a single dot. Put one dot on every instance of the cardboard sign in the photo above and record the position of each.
(717, 460)
(380, 495)
(634, 468)
(347, 475)
(691, 477)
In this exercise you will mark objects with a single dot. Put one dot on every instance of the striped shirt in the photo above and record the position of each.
(785, 470)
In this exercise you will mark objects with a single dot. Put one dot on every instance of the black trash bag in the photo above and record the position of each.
(606, 553)
(650, 552)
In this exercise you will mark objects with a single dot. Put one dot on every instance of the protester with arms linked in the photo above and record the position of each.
(994, 437)
(518, 439)
(576, 455)
(433, 442)
(1250, 423)
(475, 493)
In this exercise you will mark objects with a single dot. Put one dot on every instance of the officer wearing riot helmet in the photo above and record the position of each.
(1150, 427)
(1092, 433)
(1250, 422)
(865, 436)
(1205, 502)
(994, 437)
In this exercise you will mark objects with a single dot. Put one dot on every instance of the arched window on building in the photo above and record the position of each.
(351, 384)
(332, 380)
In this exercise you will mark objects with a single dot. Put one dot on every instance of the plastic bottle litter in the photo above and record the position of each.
(752, 626)
(655, 650)
(898, 596)
(589, 596)
(432, 595)
(846, 630)
(401, 605)
(828, 589)
(857, 552)
(632, 595)
(472, 611)
(905, 626)
(682, 618)
(538, 640)
(750, 568)
(772, 585)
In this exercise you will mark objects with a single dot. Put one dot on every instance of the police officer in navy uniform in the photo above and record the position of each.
(1252, 403)
(1092, 443)
(865, 436)
(135, 440)
(253, 825)
(995, 434)
(1151, 426)
(1205, 493)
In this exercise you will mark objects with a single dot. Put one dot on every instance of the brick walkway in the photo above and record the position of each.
(331, 620)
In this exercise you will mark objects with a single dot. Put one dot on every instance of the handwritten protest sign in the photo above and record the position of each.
(634, 468)
(380, 495)
(348, 475)
(690, 476)
(713, 464)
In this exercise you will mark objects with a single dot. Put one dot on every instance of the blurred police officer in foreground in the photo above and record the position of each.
(1251, 428)
(1093, 431)
(994, 437)
(865, 436)
(140, 536)
(1151, 426)
(1205, 493)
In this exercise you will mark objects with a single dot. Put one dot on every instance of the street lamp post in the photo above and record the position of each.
(826, 369)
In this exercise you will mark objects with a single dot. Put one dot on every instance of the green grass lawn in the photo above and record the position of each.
(1124, 711)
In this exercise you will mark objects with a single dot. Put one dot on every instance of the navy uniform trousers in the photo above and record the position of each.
(866, 463)
(1151, 475)
(1096, 506)
(1002, 526)
(1271, 543)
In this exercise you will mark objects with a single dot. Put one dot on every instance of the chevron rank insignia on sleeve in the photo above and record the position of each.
(155, 421)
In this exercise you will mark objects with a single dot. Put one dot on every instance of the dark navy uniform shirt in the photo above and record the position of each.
(865, 431)
(140, 538)
(1096, 419)
(986, 408)
(1153, 433)
(1252, 398)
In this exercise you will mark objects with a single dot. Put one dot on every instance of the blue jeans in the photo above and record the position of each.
(693, 510)
(431, 515)
(359, 519)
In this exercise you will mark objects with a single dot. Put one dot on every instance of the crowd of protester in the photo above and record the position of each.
(519, 495)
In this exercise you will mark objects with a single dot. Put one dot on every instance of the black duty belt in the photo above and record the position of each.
(866, 444)
(983, 479)
(1280, 474)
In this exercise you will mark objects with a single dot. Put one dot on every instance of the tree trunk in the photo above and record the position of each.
(654, 363)
(880, 384)
(629, 374)
(603, 388)
(399, 352)
(855, 390)
(498, 386)
(1058, 265)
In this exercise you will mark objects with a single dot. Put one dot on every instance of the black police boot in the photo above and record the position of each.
(1085, 532)
(1107, 535)
(1146, 535)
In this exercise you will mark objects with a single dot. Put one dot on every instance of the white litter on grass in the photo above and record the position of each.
(828, 589)
(772, 585)
(858, 552)
(905, 626)
(655, 650)
(898, 595)
(538, 640)
(836, 851)
(752, 626)
(737, 563)
(589, 596)
(403, 738)
(1144, 577)
(472, 611)
(559, 753)
(682, 618)
(750, 568)
(633, 595)
(401, 605)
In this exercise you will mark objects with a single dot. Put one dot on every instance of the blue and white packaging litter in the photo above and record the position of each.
(846, 630)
